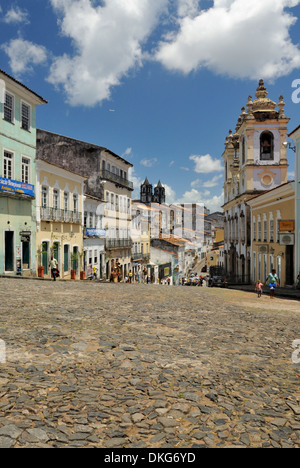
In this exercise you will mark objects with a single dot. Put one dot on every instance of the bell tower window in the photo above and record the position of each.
(267, 146)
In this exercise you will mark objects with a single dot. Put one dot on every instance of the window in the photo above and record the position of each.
(266, 146)
(243, 150)
(271, 230)
(9, 105)
(91, 220)
(265, 230)
(44, 197)
(66, 201)
(25, 116)
(85, 219)
(25, 170)
(75, 203)
(8, 165)
(55, 199)
(259, 230)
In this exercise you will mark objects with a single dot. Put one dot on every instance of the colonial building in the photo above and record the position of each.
(94, 236)
(140, 236)
(17, 176)
(59, 218)
(107, 179)
(273, 234)
(255, 160)
(295, 135)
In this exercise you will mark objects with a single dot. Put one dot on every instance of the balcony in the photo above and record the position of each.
(118, 244)
(63, 216)
(136, 256)
(110, 176)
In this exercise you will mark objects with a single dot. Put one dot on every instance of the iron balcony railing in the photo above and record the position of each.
(107, 175)
(118, 243)
(139, 256)
(66, 216)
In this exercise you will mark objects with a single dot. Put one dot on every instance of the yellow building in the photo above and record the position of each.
(273, 235)
(255, 160)
(59, 200)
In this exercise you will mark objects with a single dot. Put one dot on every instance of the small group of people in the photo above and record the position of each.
(273, 282)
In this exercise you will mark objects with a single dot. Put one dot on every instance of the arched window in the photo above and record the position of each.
(267, 146)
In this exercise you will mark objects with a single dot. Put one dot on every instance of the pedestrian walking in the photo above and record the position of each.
(130, 276)
(298, 281)
(53, 267)
(273, 282)
(258, 288)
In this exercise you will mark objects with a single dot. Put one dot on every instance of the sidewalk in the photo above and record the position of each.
(287, 293)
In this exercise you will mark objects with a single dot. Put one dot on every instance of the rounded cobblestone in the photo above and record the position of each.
(123, 365)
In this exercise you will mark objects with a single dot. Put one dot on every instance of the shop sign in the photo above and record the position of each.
(286, 226)
(95, 232)
(13, 186)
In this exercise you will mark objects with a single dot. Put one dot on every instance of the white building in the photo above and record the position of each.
(94, 237)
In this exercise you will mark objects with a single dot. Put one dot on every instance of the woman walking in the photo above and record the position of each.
(273, 283)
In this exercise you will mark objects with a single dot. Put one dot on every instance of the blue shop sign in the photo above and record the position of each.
(95, 232)
(13, 186)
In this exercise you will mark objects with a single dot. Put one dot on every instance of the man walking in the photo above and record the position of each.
(53, 266)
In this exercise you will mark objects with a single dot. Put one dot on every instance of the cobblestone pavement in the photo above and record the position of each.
(120, 365)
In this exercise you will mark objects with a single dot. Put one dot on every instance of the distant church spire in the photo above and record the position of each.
(147, 195)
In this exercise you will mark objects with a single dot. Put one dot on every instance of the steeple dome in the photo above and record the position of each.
(262, 103)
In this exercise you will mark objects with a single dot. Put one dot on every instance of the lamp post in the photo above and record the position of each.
(288, 144)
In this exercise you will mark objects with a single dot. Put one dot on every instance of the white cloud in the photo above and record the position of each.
(206, 164)
(16, 15)
(148, 162)
(127, 153)
(108, 40)
(212, 202)
(137, 182)
(245, 39)
(291, 175)
(23, 54)
(214, 182)
(188, 8)
(170, 194)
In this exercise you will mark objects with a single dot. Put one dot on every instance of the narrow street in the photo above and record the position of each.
(139, 366)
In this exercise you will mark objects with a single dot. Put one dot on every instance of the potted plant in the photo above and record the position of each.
(40, 267)
(82, 273)
(74, 262)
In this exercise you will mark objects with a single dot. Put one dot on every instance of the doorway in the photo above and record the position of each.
(289, 265)
(9, 251)
(45, 259)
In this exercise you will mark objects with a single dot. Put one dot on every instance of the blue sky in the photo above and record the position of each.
(159, 82)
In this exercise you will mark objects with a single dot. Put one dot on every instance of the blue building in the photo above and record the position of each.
(17, 176)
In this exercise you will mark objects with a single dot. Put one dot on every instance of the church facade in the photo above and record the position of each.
(148, 196)
(255, 161)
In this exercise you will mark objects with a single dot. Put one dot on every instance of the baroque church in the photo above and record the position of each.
(255, 161)
(147, 196)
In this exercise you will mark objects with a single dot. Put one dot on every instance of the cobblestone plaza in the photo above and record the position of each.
(129, 366)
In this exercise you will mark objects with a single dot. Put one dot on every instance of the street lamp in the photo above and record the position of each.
(288, 144)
